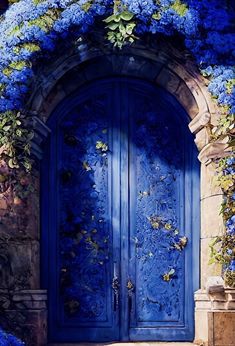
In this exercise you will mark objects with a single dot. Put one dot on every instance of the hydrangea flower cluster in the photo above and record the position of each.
(9, 340)
(203, 24)
(32, 27)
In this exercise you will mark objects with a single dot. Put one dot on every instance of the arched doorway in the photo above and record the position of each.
(122, 190)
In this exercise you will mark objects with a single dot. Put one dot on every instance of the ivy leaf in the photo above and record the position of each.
(117, 18)
(211, 261)
(6, 128)
(113, 26)
(130, 27)
(126, 15)
(122, 29)
(156, 16)
(12, 164)
(231, 143)
(110, 19)
(226, 184)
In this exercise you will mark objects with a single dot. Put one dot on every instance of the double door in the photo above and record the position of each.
(120, 210)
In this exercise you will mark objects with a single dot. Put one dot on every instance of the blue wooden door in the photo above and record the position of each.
(120, 204)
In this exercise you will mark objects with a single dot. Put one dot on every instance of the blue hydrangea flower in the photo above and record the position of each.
(230, 225)
(230, 161)
(232, 265)
(205, 26)
(9, 339)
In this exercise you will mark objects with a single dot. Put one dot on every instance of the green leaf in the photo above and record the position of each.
(6, 128)
(110, 18)
(211, 261)
(156, 16)
(130, 27)
(12, 164)
(113, 26)
(122, 29)
(117, 18)
(231, 143)
(126, 15)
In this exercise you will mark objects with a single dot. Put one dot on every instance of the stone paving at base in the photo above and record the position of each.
(130, 344)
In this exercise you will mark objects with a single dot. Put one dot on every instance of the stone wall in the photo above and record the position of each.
(22, 309)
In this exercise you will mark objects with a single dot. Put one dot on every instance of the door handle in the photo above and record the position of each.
(115, 287)
(130, 289)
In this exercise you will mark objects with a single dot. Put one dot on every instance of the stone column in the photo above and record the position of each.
(212, 310)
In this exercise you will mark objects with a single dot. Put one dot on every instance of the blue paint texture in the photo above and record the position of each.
(121, 170)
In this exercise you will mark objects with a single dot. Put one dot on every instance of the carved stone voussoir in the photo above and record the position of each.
(200, 121)
(41, 132)
(213, 151)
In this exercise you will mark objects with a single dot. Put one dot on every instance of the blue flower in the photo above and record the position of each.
(232, 265)
(9, 339)
(230, 225)
(230, 161)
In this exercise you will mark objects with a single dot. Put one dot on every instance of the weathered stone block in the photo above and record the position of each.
(221, 331)
(202, 306)
(187, 100)
(25, 315)
(209, 187)
(29, 325)
(202, 138)
(211, 220)
(207, 269)
(30, 299)
(19, 264)
(201, 327)
(168, 80)
(53, 98)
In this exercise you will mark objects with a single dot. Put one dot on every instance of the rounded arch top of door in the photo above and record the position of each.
(119, 156)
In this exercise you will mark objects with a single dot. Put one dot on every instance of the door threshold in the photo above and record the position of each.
(133, 343)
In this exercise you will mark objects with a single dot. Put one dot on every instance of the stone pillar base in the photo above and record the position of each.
(202, 307)
(25, 315)
(215, 316)
(221, 327)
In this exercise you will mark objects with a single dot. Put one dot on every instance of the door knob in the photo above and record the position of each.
(130, 289)
(130, 286)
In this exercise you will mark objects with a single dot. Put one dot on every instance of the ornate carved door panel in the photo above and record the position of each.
(118, 214)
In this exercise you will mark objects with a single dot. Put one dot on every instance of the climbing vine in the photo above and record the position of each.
(30, 28)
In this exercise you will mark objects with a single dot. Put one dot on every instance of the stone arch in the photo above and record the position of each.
(165, 67)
